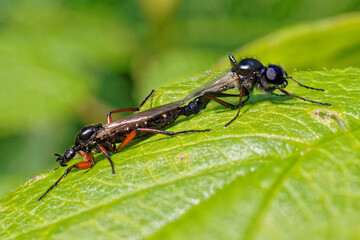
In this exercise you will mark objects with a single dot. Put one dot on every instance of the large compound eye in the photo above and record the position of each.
(275, 74)
(85, 134)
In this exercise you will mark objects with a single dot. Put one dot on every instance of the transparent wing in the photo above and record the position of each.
(223, 82)
(226, 80)
(145, 115)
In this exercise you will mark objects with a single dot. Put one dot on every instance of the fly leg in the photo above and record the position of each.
(88, 163)
(272, 88)
(215, 97)
(238, 107)
(302, 85)
(278, 95)
(106, 153)
(109, 118)
(133, 134)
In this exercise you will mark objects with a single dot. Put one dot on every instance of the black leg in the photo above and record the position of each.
(302, 85)
(239, 108)
(81, 166)
(293, 95)
(105, 152)
(133, 134)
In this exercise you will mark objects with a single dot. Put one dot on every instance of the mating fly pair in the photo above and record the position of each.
(245, 75)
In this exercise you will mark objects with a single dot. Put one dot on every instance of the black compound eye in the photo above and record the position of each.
(275, 74)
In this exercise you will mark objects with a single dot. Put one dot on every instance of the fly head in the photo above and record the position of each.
(68, 155)
(275, 75)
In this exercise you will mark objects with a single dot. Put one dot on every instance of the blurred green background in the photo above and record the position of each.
(65, 64)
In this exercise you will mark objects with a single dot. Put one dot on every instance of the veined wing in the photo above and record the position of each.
(145, 115)
(223, 82)
(226, 80)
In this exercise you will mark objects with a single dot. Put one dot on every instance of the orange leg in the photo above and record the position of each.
(214, 96)
(225, 104)
(109, 117)
(88, 163)
(133, 134)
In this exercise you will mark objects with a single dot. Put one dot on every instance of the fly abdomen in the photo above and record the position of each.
(195, 106)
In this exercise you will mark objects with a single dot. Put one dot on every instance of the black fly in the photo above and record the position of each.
(103, 138)
(246, 75)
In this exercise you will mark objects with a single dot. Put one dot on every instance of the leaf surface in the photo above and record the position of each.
(284, 169)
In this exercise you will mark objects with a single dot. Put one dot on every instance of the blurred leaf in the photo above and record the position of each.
(165, 68)
(330, 43)
(162, 12)
(226, 24)
(9, 182)
(49, 56)
(289, 168)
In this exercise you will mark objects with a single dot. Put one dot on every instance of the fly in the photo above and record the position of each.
(246, 75)
(103, 138)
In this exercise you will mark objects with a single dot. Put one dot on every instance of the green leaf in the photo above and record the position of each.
(286, 169)
(47, 64)
(329, 43)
